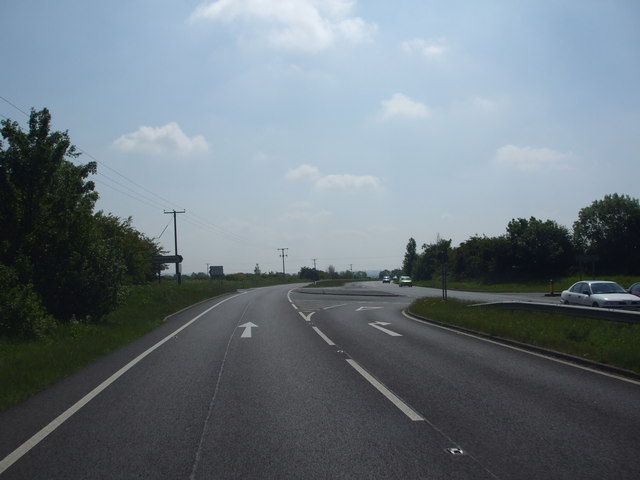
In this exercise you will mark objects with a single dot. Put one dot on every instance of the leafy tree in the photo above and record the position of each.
(539, 248)
(46, 210)
(135, 248)
(410, 257)
(610, 229)
(308, 273)
(481, 258)
(384, 273)
(59, 258)
(331, 272)
(431, 260)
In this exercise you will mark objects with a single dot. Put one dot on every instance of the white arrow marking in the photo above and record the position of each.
(378, 325)
(247, 329)
(306, 317)
(362, 309)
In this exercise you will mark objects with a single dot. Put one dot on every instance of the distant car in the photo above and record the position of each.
(386, 279)
(599, 293)
(405, 281)
(635, 289)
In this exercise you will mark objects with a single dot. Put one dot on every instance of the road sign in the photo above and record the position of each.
(167, 259)
(216, 271)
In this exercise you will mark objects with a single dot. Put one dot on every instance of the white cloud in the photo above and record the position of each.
(532, 159)
(161, 140)
(400, 105)
(305, 25)
(484, 104)
(304, 212)
(303, 172)
(344, 182)
(347, 182)
(431, 49)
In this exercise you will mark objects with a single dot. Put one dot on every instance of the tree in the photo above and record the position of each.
(331, 271)
(59, 257)
(46, 209)
(384, 273)
(539, 248)
(431, 260)
(481, 258)
(610, 229)
(410, 257)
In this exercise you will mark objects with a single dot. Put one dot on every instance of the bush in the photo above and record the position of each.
(21, 312)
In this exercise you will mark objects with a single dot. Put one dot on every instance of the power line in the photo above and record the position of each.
(147, 197)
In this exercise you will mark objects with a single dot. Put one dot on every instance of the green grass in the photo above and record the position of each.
(30, 366)
(611, 343)
(530, 286)
(334, 283)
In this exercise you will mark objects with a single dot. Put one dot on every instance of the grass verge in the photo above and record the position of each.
(611, 343)
(28, 367)
(517, 287)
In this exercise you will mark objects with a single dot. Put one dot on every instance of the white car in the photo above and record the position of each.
(599, 293)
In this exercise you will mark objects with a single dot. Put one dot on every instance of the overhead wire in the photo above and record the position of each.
(149, 198)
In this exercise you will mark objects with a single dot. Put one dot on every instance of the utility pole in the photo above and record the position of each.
(175, 237)
(315, 272)
(283, 255)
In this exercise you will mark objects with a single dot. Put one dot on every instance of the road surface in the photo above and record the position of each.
(278, 383)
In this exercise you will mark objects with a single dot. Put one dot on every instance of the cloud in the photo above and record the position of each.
(484, 104)
(304, 212)
(431, 49)
(400, 105)
(344, 182)
(303, 172)
(303, 25)
(532, 159)
(161, 140)
(347, 182)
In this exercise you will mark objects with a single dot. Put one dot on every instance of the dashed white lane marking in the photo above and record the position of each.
(323, 336)
(392, 397)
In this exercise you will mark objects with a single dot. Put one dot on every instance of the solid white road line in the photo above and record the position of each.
(392, 397)
(66, 415)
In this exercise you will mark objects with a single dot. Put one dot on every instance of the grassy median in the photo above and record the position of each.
(602, 341)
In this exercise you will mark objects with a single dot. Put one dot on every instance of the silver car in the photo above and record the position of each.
(599, 293)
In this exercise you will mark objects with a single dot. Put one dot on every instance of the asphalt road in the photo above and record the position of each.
(279, 383)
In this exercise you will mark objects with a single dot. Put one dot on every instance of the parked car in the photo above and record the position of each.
(405, 281)
(386, 279)
(635, 289)
(599, 293)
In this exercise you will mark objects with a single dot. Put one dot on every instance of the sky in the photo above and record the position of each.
(334, 129)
